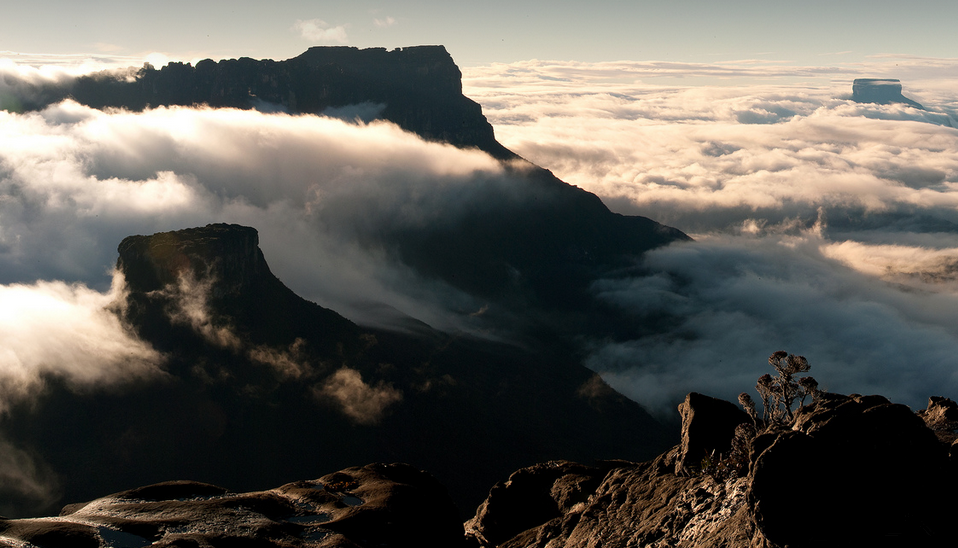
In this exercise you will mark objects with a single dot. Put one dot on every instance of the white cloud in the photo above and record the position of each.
(70, 331)
(318, 31)
(384, 22)
(735, 300)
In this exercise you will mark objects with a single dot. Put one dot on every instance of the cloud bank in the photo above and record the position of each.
(823, 227)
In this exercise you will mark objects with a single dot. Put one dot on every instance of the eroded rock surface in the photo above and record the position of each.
(854, 471)
(381, 505)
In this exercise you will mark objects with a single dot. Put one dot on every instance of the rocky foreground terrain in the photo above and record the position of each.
(853, 471)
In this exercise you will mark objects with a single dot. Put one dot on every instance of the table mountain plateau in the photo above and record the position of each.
(881, 91)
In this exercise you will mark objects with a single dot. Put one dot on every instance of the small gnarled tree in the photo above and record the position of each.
(779, 393)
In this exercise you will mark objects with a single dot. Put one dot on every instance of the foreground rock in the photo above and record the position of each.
(381, 505)
(854, 471)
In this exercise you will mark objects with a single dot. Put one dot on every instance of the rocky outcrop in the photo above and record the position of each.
(541, 496)
(378, 505)
(708, 425)
(880, 91)
(217, 276)
(850, 471)
(853, 471)
(228, 254)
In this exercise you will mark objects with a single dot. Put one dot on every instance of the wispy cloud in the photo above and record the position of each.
(384, 22)
(320, 32)
(361, 402)
(76, 179)
(68, 331)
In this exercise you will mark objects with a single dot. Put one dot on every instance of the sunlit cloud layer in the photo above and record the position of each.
(824, 227)
(75, 181)
(71, 331)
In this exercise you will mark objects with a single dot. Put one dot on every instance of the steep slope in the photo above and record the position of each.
(263, 387)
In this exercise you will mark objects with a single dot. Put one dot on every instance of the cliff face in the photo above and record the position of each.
(229, 254)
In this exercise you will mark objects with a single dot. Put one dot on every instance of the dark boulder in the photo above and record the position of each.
(855, 470)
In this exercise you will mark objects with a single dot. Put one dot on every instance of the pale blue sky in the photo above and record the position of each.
(814, 32)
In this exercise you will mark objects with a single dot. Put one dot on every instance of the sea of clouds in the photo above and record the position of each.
(822, 227)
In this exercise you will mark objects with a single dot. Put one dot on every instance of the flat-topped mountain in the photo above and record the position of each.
(537, 250)
(261, 387)
(883, 91)
(418, 88)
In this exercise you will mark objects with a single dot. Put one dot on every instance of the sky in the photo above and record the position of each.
(822, 227)
(478, 33)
